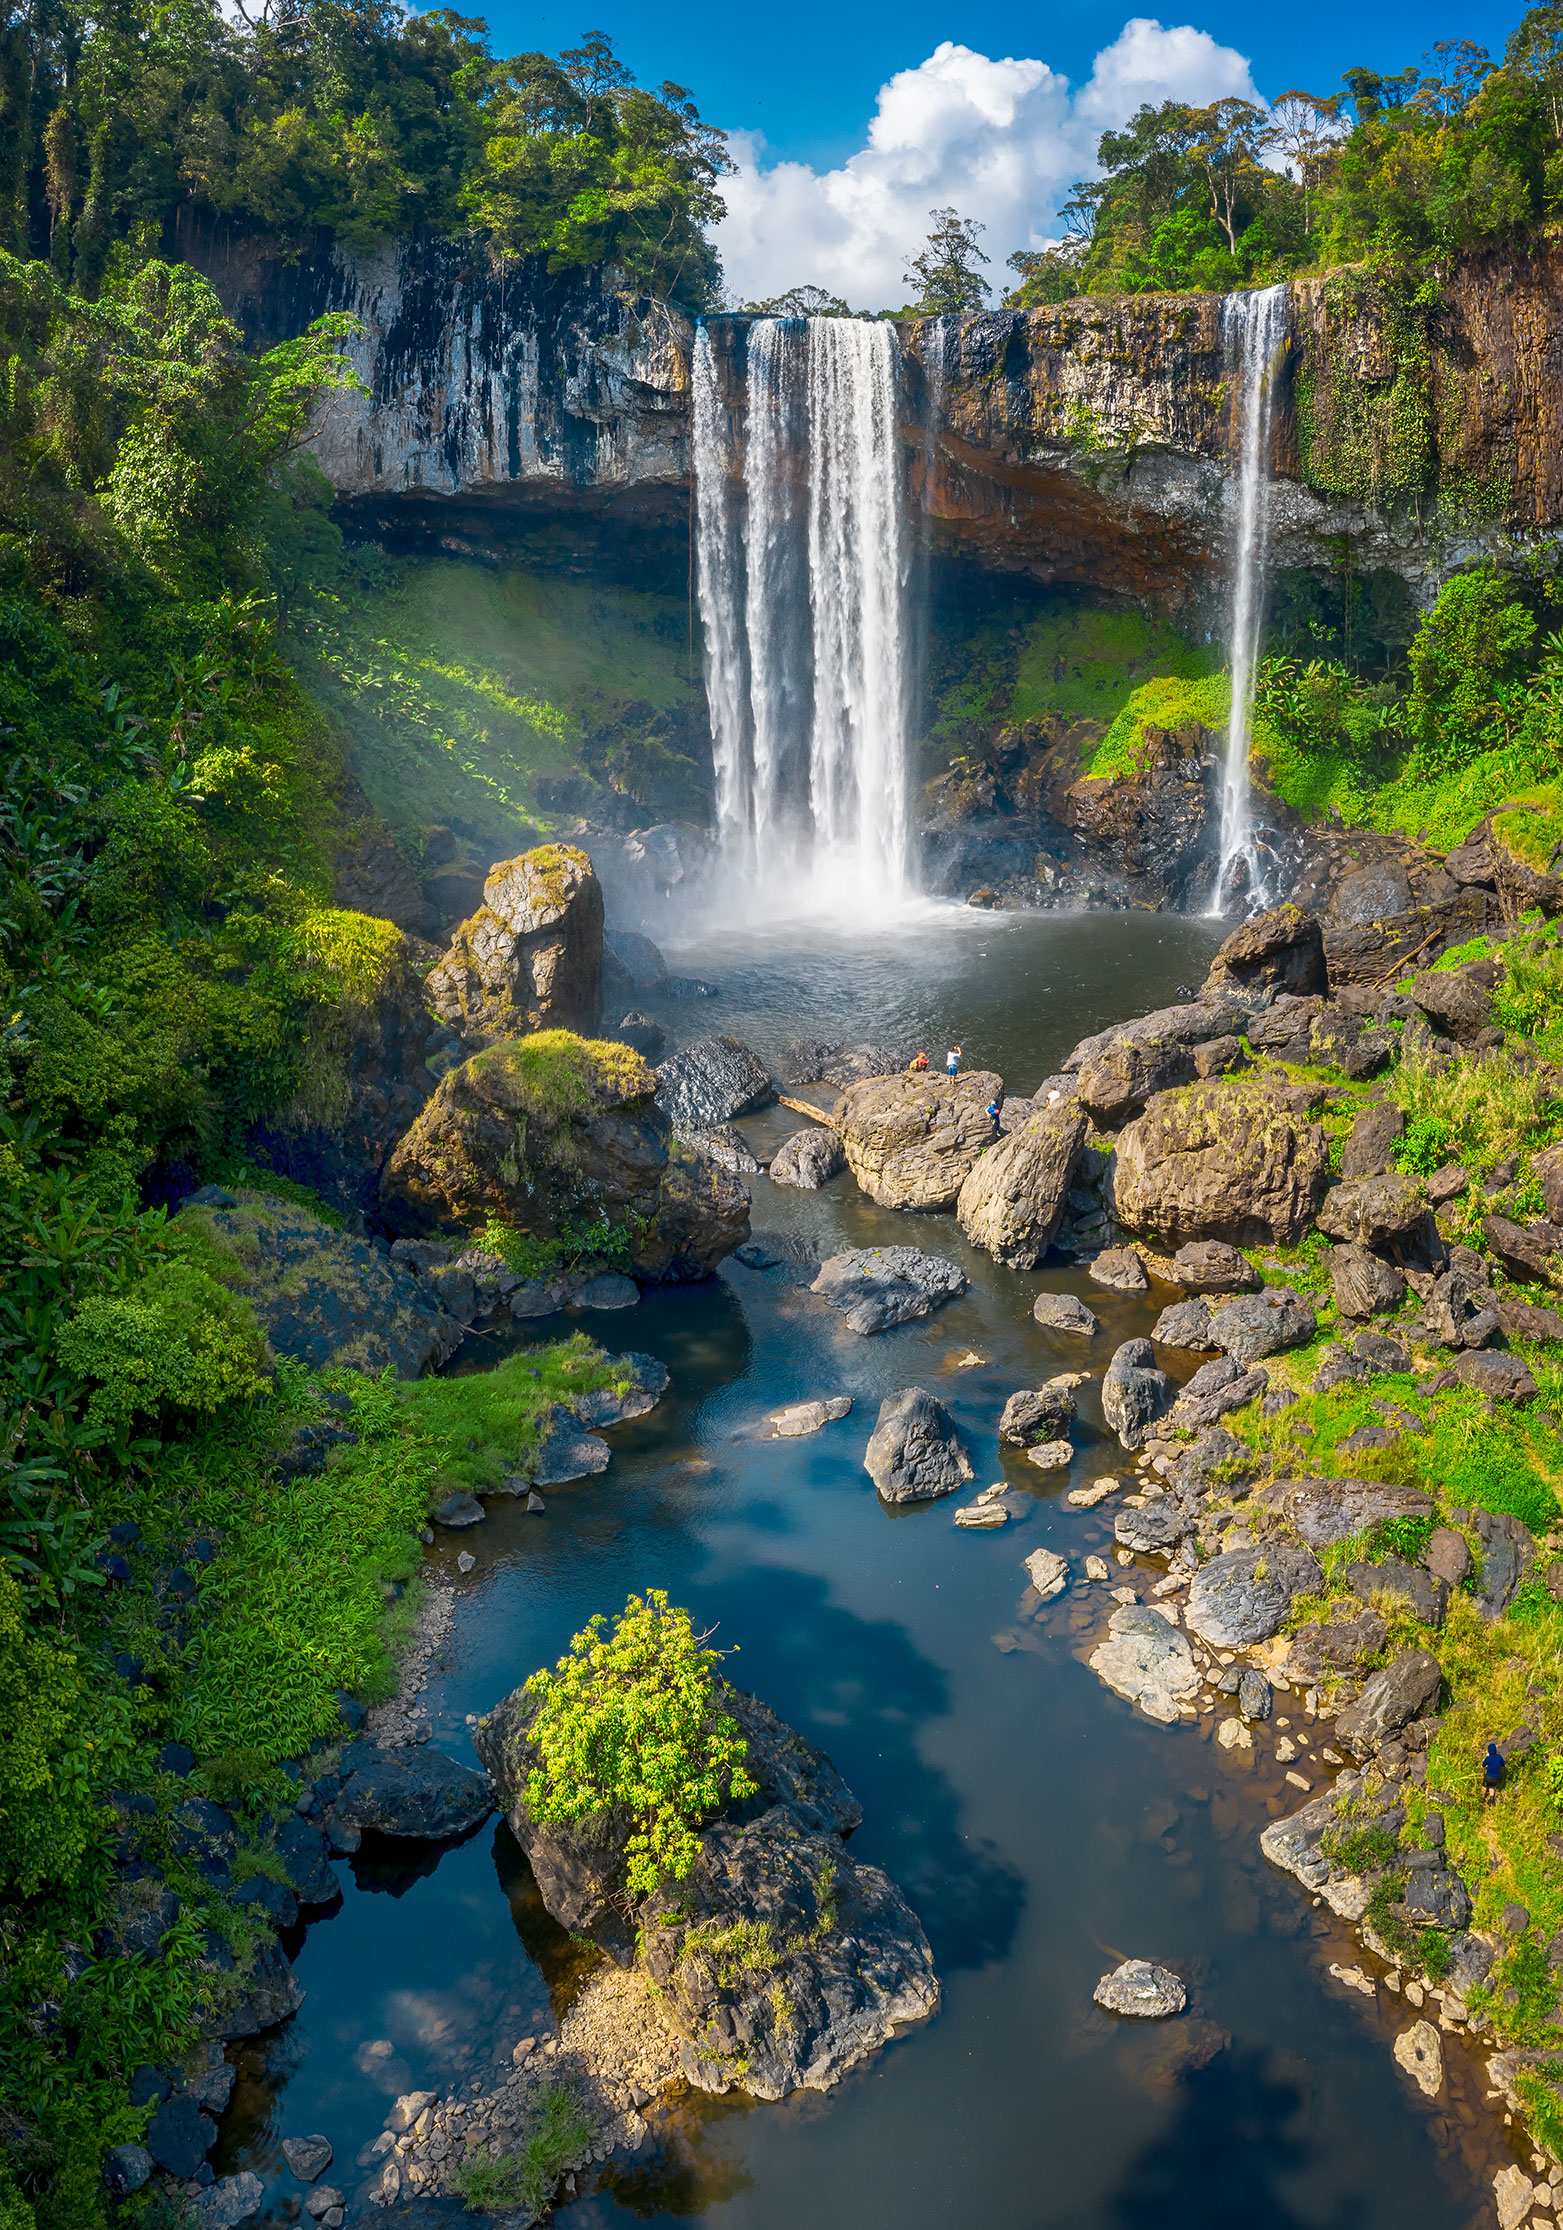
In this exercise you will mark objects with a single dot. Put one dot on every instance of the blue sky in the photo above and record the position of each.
(851, 123)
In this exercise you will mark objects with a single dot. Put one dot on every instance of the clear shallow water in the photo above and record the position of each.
(1040, 1830)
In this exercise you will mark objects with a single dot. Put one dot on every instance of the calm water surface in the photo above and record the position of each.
(1040, 1830)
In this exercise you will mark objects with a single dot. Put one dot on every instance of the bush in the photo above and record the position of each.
(175, 1340)
(626, 1718)
(1475, 638)
(526, 2179)
(46, 1757)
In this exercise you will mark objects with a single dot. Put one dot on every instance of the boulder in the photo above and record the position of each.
(1328, 1510)
(322, 1298)
(1154, 1528)
(1448, 1556)
(1462, 1312)
(566, 1453)
(549, 1132)
(912, 1141)
(1254, 1325)
(1502, 1378)
(1406, 1687)
(308, 2158)
(1214, 1391)
(1185, 1324)
(1279, 951)
(1381, 1353)
(1369, 894)
(306, 1860)
(1389, 1214)
(914, 1453)
(1369, 1150)
(1045, 1414)
(710, 1082)
(1436, 1897)
(1425, 1597)
(802, 1418)
(1146, 1660)
(271, 1993)
(1456, 1001)
(1048, 1573)
(1228, 1160)
(1507, 1549)
(1011, 1201)
(1120, 1269)
(1134, 1393)
(126, 2168)
(1123, 1066)
(1141, 1990)
(530, 958)
(1523, 1320)
(179, 2136)
(417, 1793)
(228, 2202)
(1064, 1312)
(1244, 1595)
(1210, 1266)
(724, 1144)
(1351, 1634)
(808, 1159)
(829, 1061)
(1362, 1283)
(1547, 1170)
(875, 1288)
(643, 1382)
(458, 1511)
(1529, 1252)
(640, 959)
(643, 1035)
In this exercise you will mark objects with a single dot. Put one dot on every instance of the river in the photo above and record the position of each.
(1041, 1830)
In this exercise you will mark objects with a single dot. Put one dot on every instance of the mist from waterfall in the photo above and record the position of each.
(1253, 327)
(801, 572)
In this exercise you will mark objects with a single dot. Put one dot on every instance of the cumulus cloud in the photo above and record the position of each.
(1000, 140)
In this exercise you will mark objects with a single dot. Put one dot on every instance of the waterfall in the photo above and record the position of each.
(801, 567)
(1253, 328)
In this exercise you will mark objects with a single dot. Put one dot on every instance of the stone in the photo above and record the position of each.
(875, 1288)
(530, 958)
(1381, 1353)
(1210, 1266)
(644, 1381)
(1040, 1415)
(711, 1081)
(1147, 1661)
(1547, 1170)
(1244, 1595)
(1531, 1253)
(1523, 1320)
(1230, 1160)
(1185, 1324)
(1369, 894)
(1362, 1283)
(911, 1141)
(1448, 1556)
(416, 1793)
(1507, 1549)
(228, 2202)
(125, 2169)
(806, 1417)
(466, 1563)
(1086, 1498)
(1369, 1150)
(1011, 1200)
(1048, 1573)
(1449, 1183)
(1155, 1528)
(1121, 1269)
(982, 1517)
(1258, 1324)
(459, 1162)
(1324, 1511)
(1502, 1378)
(643, 1034)
(1425, 1597)
(808, 1159)
(179, 2136)
(566, 1453)
(458, 1511)
(914, 1453)
(1420, 2053)
(1456, 1001)
(1338, 1367)
(725, 1145)
(1460, 1312)
(1390, 1700)
(1064, 1312)
(1388, 1213)
(1215, 1390)
(323, 2201)
(1141, 1990)
(1051, 1455)
(306, 1861)
(1233, 1735)
(1512, 2192)
(1278, 951)
(1254, 1694)
(307, 2157)
(609, 1290)
(1134, 1393)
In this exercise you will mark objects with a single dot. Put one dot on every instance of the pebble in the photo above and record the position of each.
(466, 1563)
(1125, 1596)
(1354, 1979)
(1086, 1498)
(1299, 1782)
(1098, 1568)
(1233, 1735)
(1051, 1455)
(1285, 1750)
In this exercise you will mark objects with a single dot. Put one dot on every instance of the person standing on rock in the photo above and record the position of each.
(1493, 1770)
(918, 1065)
(952, 1061)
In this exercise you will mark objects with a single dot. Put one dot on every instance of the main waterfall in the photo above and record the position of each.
(1253, 328)
(801, 567)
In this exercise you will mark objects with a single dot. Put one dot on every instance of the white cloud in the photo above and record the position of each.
(1001, 141)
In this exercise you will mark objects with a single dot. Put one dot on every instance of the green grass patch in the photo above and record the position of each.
(1475, 1110)
(485, 1424)
(1087, 663)
(525, 2179)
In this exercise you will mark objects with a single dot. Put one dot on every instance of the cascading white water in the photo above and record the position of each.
(1253, 329)
(802, 577)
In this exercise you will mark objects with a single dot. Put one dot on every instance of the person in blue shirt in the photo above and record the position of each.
(1492, 1773)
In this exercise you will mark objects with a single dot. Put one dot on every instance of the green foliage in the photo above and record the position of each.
(945, 276)
(1086, 661)
(1529, 999)
(175, 1339)
(534, 1254)
(1474, 1111)
(1172, 702)
(558, 2135)
(47, 1781)
(626, 1718)
(1361, 1850)
(484, 1424)
(1473, 640)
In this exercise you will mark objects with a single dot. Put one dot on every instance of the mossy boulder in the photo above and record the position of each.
(552, 1133)
(530, 958)
(1235, 1159)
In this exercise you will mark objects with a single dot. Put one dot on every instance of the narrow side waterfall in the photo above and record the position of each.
(1253, 329)
(801, 568)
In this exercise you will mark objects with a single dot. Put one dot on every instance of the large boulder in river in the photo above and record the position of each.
(710, 1082)
(875, 1288)
(530, 958)
(1123, 1066)
(914, 1453)
(808, 1159)
(911, 1141)
(780, 1959)
(1015, 1194)
(553, 1132)
(416, 1793)
(1234, 1159)
(1282, 950)
(1135, 1393)
(1244, 1596)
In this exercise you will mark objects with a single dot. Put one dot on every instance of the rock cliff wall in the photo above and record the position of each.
(1091, 441)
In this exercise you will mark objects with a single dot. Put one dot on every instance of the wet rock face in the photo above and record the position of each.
(1014, 1196)
(1228, 1160)
(912, 1141)
(1160, 828)
(530, 958)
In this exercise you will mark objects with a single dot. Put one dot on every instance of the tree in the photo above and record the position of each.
(1227, 139)
(1457, 70)
(1305, 129)
(800, 301)
(626, 1719)
(1535, 53)
(945, 274)
(1475, 638)
(1051, 273)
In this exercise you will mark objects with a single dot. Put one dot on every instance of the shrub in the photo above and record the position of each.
(1473, 640)
(175, 1340)
(526, 2179)
(46, 1757)
(626, 1718)
(1476, 1109)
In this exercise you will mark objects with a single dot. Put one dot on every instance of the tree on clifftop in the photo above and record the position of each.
(946, 274)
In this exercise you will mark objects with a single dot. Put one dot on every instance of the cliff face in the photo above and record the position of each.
(1091, 441)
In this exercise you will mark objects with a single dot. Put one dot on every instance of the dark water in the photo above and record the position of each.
(1041, 1831)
